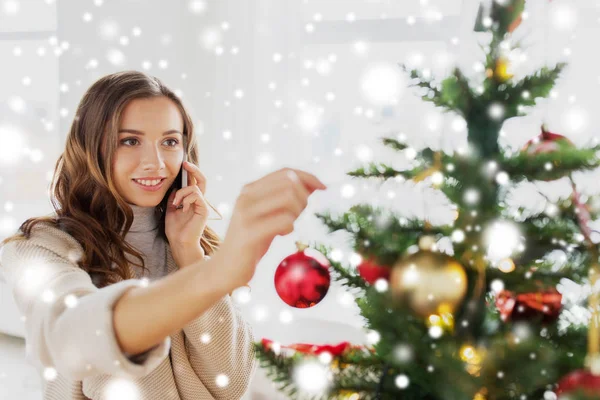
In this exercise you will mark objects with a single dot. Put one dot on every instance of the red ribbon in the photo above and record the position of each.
(546, 303)
(313, 349)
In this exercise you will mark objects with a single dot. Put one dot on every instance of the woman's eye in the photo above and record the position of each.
(124, 141)
(127, 140)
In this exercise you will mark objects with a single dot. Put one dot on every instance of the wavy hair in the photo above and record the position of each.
(88, 206)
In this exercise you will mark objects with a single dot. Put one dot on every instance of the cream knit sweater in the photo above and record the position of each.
(70, 336)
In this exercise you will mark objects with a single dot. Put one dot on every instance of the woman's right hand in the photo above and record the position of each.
(264, 209)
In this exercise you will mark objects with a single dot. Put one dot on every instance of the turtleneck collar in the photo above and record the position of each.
(145, 219)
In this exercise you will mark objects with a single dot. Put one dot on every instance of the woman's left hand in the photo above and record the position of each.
(184, 227)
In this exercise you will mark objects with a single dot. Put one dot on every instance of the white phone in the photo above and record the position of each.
(184, 173)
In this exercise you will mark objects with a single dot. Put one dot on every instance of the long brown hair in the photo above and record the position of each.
(88, 206)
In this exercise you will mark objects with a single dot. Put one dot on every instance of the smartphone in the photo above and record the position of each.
(184, 173)
(184, 182)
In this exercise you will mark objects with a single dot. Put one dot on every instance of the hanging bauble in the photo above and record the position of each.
(547, 142)
(545, 306)
(428, 282)
(501, 70)
(579, 381)
(302, 279)
(370, 271)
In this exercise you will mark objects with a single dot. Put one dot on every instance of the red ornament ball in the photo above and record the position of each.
(547, 142)
(302, 279)
(370, 271)
(579, 380)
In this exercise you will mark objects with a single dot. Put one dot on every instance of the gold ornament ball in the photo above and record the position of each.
(502, 66)
(429, 283)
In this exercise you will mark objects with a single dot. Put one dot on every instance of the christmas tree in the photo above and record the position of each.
(480, 321)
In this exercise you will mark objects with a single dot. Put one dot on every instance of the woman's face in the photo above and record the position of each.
(150, 145)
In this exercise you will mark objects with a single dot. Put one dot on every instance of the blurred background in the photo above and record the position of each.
(308, 84)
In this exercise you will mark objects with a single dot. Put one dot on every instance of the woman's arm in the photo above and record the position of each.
(145, 316)
(75, 337)
(219, 342)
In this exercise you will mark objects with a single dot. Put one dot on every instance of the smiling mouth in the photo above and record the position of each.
(148, 187)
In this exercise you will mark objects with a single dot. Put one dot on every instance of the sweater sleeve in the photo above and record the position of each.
(221, 350)
(68, 320)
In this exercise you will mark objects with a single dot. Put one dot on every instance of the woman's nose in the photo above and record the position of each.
(153, 159)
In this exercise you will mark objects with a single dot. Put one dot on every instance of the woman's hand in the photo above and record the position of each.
(266, 208)
(184, 227)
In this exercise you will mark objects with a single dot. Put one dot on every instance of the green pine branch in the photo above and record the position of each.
(526, 365)
(534, 277)
(342, 274)
(424, 159)
(383, 171)
(543, 235)
(354, 371)
(453, 94)
(452, 189)
(277, 368)
(526, 91)
(545, 229)
(566, 210)
(394, 143)
(426, 154)
(530, 167)
(380, 234)
(398, 325)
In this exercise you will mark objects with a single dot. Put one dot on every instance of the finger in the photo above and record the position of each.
(279, 204)
(189, 200)
(299, 188)
(270, 199)
(186, 202)
(310, 181)
(195, 176)
(279, 224)
(264, 234)
(171, 198)
(181, 193)
(258, 190)
(283, 196)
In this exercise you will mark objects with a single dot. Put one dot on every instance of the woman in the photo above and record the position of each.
(98, 323)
